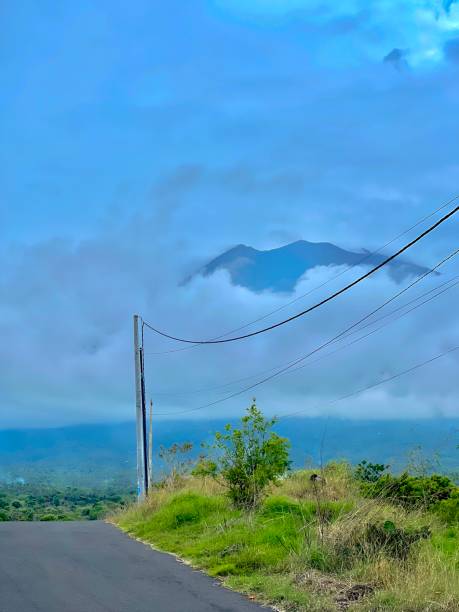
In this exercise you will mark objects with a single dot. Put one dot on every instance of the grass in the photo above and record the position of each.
(305, 548)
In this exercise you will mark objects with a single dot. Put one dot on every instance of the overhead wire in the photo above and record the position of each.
(315, 288)
(417, 366)
(295, 362)
(329, 298)
(447, 285)
(381, 326)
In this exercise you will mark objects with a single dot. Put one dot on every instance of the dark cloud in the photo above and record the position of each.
(447, 4)
(183, 179)
(238, 179)
(451, 50)
(396, 57)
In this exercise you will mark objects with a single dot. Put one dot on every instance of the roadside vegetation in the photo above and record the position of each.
(31, 502)
(334, 538)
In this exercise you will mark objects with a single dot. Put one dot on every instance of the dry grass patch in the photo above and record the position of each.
(343, 592)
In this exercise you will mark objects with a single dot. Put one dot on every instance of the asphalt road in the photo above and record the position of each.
(93, 567)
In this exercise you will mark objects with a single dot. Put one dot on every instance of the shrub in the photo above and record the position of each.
(411, 491)
(448, 509)
(369, 541)
(48, 517)
(96, 512)
(369, 472)
(249, 458)
(393, 541)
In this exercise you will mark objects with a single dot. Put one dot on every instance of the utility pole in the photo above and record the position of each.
(142, 477)
(144, 420)
(150, 445)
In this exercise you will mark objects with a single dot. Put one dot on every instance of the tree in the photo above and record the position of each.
(248, 459)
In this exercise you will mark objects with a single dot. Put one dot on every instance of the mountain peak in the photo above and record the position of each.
(281, 268)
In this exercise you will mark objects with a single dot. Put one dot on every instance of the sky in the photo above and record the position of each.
(141, 139)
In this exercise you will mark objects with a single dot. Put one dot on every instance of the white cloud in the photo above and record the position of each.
(66, 354)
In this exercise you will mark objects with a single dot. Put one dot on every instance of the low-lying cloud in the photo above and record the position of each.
(66, 324)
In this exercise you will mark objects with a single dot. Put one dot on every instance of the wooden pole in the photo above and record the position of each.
(140, 415)
(150, 445)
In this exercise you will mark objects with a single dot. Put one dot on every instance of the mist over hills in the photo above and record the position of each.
(280, 269)
(95, 454)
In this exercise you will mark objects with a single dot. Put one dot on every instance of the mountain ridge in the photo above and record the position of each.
(94, 453)
(281, 268)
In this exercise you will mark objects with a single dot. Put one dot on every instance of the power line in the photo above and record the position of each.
(310, 291)
(291, 364)
(320, 303)
(289, 370)
(369, 324)
(382, 381)
(380, 327)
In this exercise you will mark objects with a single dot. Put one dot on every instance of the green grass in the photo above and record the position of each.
(300, 552)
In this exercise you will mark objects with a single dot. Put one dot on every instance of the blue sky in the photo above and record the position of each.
(142, 138)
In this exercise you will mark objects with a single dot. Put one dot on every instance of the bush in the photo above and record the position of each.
(411, 491)
(394, 541)
(448, 509)
(369, 472)
(372, 540)
(48, 517)
(249, 458)
(96, 512)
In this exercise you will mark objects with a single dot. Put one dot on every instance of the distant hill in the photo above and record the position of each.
(280, 269)
(97, 454)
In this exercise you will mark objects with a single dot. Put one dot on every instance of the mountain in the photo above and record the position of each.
(89, 455)
(280, 269)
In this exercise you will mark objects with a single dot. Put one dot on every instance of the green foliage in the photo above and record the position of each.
(369, 472)
(448, 509)
(97, 512)
(250, 458)
(393, 541)
(24, 502)
(48, 517)
(205, 467)
(411, 491)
